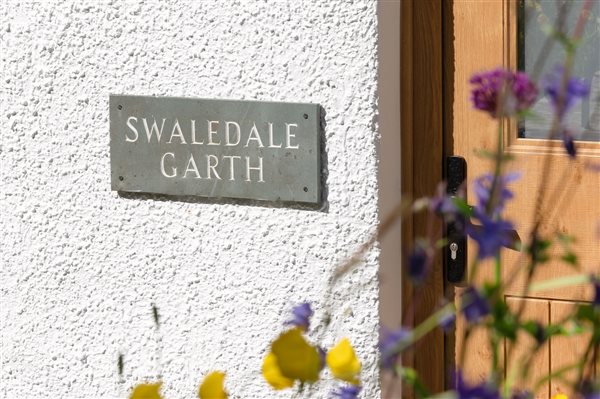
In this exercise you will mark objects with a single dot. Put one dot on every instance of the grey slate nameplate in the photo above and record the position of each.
(215, 148)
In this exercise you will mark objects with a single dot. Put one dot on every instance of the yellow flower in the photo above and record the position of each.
(146, 391)
(343, 363)
(296, 359)
(212, 386)
(560, 396)
(272, 373)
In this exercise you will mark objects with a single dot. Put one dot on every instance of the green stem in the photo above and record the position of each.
(559, 282)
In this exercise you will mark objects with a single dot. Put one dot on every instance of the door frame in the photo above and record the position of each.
(423, 77)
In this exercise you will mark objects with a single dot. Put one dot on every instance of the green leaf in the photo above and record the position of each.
(586, 312)
(570, 258)
(462, 207)
(410, 377)
(504, 322)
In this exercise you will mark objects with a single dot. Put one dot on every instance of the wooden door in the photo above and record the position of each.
(480, 35)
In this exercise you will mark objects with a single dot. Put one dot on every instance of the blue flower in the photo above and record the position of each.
(418, 264)
(521, 395)
(447, 320)
(301, 316)
(441, 203)
(596, 282)
(474, 306)
(576, 90)
(322, 356)
(569, 142)
(391, 343)
(490, 236)
(589, 389)
(347, 392)
(483, 187)
(485, 390)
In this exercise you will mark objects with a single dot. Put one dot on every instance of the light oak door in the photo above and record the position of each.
(481, 35)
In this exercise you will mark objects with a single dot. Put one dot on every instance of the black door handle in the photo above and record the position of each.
(455, 252)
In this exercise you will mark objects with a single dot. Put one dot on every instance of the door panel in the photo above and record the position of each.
(483, 36)
(565, 351)
(539, 364)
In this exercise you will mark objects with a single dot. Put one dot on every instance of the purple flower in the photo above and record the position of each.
(418, 264)
(485, 390)
(596, 281)
(442, 203)
(347, 392)
(589, 389)
(491, 235)
(391, 343)
(516, 91)
(569, 142)
(521, 395)
(474, 306)
(576, 90)
(447, 320)
(301, 316)
(483, 190)
(322, 356)
(539, 333)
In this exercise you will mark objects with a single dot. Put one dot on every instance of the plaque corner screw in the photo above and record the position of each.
(121, 178)
(305, 116)
(120, 107)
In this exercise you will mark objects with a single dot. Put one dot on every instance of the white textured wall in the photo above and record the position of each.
(81, 265)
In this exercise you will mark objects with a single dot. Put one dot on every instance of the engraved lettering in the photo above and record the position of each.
(180, 134)
(231, 165)
(162, 166)
(212, 132)
(210, 167)
(258, 168)
(191, 167)
(133, 129)
(289, 135)
(271, 145)
(149, 132)
(227, 133)
(254, 136)
(193, 129)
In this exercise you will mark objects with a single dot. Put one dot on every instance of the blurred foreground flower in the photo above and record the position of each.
(501, 92)
(474, 306)
(491, 235)
(212, 386)
(301, 316)
(484, 390)
(560, 396)
(343, 363)
(273, 375)
(576, 89)
(493, 203)
(391, 344)
(418, 263)
(296, 358)
(596, 283)
(146, 391)
(347, 392)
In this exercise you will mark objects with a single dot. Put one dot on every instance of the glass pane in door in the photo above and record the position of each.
(539, 56)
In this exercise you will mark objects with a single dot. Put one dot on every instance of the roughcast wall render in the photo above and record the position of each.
(82, 265)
